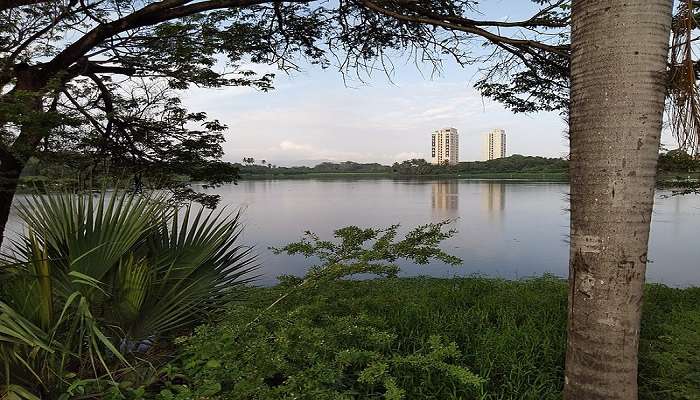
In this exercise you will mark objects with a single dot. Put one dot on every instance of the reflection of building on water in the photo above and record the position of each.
(494, 198)
(445, 195)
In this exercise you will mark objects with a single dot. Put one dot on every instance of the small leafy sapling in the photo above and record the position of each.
(370, 251)
(365, 251)
(357, 250)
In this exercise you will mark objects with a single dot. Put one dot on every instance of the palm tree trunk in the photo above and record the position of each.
(618, 70)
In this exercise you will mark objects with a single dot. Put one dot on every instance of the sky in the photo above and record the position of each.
(313, 115)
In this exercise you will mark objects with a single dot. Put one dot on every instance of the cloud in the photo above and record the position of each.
(315, 117)
(407, 156)
(289, 145)
(290, 150)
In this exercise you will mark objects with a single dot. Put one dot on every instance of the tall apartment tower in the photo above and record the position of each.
(494, 145)
(445, 146)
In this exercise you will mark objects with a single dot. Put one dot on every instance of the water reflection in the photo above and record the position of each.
(524, 240)
(494, 199)
(445, 199)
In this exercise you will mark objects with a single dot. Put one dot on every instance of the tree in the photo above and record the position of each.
(50, 48)
(95, 76)
(678, 161)
(620, 81)
(618, 70)
(86, 285)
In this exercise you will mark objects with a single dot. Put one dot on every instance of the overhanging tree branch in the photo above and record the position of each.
(10, 4)
(149, 15)
(463, 25)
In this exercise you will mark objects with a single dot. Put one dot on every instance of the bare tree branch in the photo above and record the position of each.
(10, 4)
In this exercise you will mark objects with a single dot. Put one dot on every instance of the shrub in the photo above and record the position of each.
(512, 334)
(96, 283)
(306, 353)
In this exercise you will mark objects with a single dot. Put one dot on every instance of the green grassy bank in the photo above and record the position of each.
(422, 338)
(532, 176)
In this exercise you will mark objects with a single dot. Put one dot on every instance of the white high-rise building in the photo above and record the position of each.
(494, 145)
(445, 146)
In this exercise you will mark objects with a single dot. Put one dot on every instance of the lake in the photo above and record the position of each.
(508, 229)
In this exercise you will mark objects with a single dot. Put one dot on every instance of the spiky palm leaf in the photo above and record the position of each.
(197, 262)
(95, 273)
(91, 235)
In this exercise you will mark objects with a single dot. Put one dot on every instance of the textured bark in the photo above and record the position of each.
(619, 53)
(13, 158)
(9, 176)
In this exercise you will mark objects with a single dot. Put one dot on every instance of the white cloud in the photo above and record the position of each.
(312, 118)
(289, 145)
(407, 156)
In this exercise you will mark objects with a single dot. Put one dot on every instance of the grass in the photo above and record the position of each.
(427, 338)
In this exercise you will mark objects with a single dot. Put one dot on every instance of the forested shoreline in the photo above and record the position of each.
(672, 166)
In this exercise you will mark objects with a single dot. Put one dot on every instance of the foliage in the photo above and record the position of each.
(98, 281)
(321, 356)
(674, 161)
(683, 96)
(511, 334)
(670, 162)
(681, 172)
(512, 164)
(349, 166)
(369, 251)
(100, 78)
(678, 161)
(353, 360)
(322, 168)
(669, 348)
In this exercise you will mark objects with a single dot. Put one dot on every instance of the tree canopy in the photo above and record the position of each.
(100, 79)
(99, 76)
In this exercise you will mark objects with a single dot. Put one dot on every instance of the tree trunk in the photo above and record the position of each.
(10, 170)
(27, 94)
(618, 70)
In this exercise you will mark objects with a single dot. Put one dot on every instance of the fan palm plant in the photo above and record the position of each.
(94, 278)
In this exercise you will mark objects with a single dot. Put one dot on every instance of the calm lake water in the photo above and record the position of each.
(507, 229)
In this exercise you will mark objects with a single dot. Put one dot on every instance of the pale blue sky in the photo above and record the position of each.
(313, 115)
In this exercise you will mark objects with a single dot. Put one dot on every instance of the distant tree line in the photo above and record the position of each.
(678, 161)
(671, 162)
(325, 167)
(513, 164)
(72, 171)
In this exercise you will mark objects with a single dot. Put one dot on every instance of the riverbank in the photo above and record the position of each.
(664, 179)
(554, 177)
(425, 338)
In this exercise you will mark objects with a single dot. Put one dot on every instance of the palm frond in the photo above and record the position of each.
(93, 275)
(197, 265)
